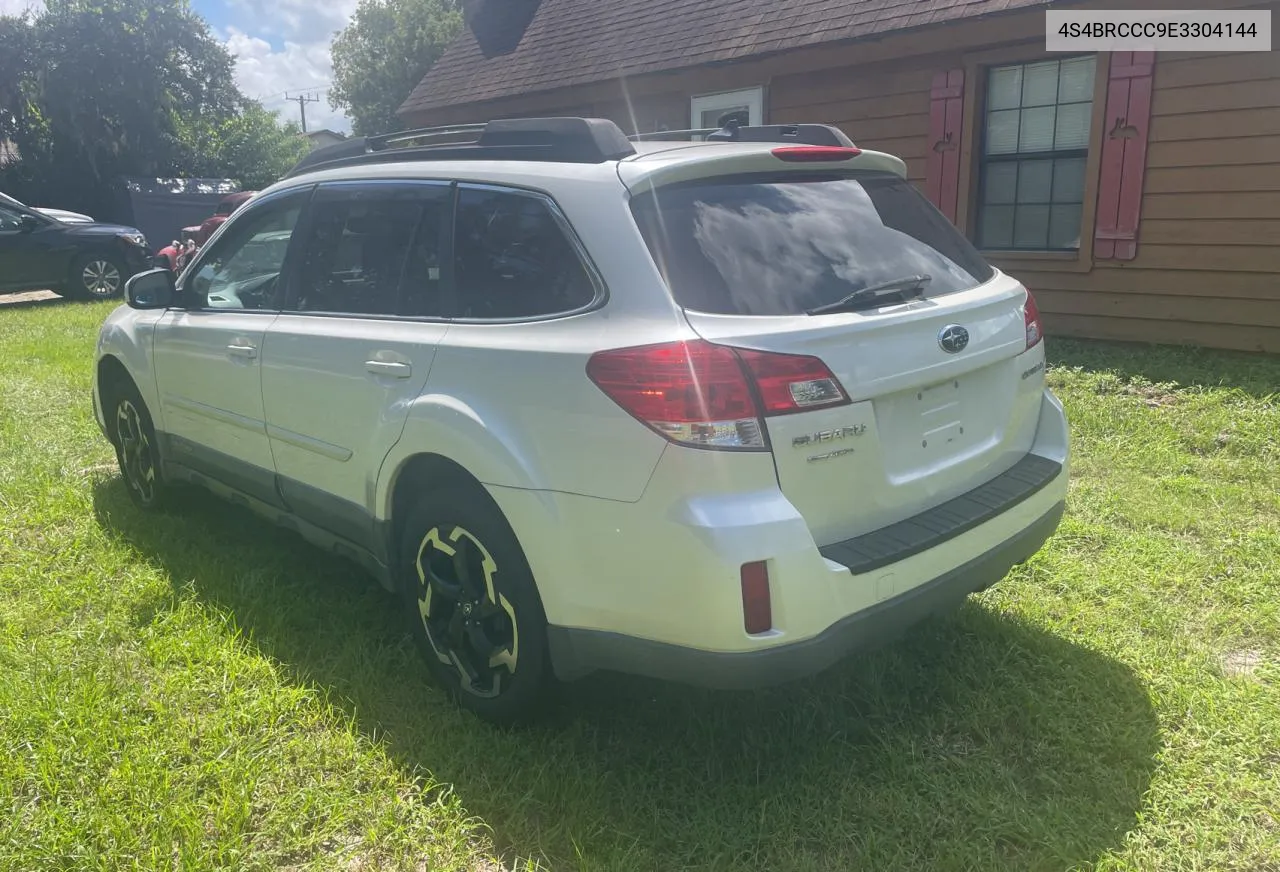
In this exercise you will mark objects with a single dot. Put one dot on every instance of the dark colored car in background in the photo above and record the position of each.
(86, 261)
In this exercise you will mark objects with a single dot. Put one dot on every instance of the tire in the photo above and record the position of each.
(96, 277)
(472, 605)
(137, 451)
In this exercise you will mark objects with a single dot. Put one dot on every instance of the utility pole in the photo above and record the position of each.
(303, 99)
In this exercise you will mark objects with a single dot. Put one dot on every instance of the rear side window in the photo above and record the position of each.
(782, 245)
(356, 250)
(514, 259)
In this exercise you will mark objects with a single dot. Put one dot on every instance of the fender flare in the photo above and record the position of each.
(447, 426)
(128, 341)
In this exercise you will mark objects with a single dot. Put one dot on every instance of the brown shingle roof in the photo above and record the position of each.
(572, 42)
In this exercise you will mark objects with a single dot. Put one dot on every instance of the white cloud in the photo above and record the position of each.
(266, 74)
(302, 21)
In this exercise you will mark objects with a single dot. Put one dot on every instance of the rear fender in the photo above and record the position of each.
(447, 426)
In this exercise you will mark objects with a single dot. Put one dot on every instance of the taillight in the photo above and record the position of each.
(1031, 317)
(811, 153)
(792, 382)
(712, 396)
(694, 392)
(757, 606)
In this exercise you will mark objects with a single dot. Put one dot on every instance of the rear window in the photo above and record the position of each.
(771, 245)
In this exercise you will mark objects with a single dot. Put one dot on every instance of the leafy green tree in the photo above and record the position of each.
(93, 90)
(382, 55)
(251, 146)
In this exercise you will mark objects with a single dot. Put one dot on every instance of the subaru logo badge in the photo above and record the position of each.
(953, 338)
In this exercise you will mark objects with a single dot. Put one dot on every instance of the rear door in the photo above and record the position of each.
(935, 369)
(354, 345)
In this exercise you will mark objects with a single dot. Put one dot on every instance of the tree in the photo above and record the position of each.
(382, 55)
(251, 146)
(93, 90)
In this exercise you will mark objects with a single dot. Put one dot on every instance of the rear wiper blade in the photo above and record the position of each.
(890, 288)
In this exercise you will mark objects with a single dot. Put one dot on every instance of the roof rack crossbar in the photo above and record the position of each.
(424, 133)
(797, 134)
(676, 135)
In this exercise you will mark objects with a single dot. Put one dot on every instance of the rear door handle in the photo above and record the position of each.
(246, 351)
(391, 368)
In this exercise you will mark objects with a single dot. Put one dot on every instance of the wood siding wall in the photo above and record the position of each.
(1207, 271)
(1207, 268)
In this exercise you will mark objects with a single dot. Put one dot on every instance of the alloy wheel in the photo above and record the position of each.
(101, 278)
(470, 625)
(137, 461)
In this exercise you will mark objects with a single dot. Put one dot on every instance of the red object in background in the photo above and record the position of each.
(226, 207)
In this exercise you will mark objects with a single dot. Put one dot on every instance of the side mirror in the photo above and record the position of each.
(28, 223)
(153, 289)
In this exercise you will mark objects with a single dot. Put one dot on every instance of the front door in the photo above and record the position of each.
(208, 354)
(21, 253)
(353, 346)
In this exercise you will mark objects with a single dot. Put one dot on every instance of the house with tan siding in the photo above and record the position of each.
(1136, 194)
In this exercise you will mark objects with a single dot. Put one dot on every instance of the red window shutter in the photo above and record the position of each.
(1124, 155)
(946, 114)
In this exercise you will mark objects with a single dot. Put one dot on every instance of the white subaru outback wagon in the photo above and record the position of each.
(719, 407)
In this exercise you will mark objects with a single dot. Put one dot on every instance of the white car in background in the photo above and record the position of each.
(720, 412)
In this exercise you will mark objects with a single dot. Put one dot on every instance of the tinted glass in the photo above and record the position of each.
(10, 219)
(760, 245)
(358, 248)
(242, 270)
(512, 258)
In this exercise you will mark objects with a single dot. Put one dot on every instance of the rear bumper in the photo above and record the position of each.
(577, 651)
(653, 587)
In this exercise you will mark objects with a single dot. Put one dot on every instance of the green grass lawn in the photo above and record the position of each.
(199, 690)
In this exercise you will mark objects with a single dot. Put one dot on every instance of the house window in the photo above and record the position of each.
(716, 110)
(1034, 150)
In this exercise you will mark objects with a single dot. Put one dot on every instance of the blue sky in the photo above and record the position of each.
(279, 45)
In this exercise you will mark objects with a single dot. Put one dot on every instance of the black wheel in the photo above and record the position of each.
(473, 607)
(95, 277)
(136, 449)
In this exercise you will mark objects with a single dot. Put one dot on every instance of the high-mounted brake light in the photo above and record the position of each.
(815, 153)
(712, 396)
(1031, 317)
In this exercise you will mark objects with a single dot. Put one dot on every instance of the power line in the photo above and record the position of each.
(302, 100)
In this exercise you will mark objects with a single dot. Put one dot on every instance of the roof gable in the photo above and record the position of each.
(571, 42)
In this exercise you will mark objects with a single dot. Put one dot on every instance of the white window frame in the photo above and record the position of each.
(752, 97)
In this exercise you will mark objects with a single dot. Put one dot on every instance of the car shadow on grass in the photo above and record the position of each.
(977, 742)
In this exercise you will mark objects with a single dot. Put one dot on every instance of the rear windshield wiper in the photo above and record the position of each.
(906, 286)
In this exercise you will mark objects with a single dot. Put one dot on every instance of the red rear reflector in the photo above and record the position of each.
(792, 382)
(807, 153)
(757, 610)
(1031, 317)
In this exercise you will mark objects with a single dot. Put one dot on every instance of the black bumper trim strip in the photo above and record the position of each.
(899, 541)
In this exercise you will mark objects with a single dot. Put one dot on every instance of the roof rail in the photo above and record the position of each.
(800, 134)
(565, 140)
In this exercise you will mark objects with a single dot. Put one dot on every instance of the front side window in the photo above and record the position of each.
(242, 270)
(374, 251)
(10, 219)
(514, 259)
(1035, 145)
(786, 244)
